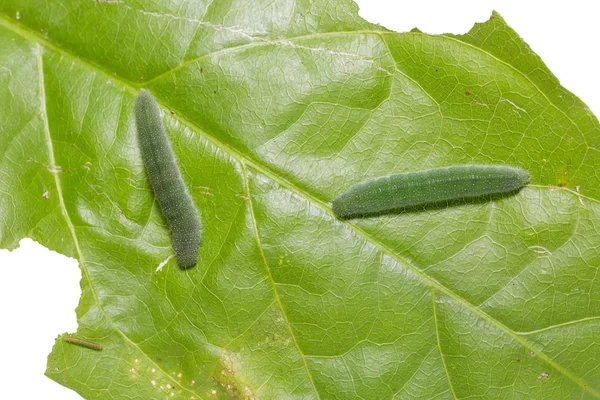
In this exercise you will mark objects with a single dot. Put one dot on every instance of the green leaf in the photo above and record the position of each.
(275, 108)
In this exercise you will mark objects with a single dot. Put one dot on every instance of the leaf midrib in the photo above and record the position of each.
(29, 34)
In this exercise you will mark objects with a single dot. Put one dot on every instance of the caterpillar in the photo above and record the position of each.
(428, 187)
(171, 193)
(83, 343)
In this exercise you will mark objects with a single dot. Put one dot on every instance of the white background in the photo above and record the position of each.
(39, 289)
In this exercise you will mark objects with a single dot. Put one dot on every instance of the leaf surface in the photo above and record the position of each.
(274, 109)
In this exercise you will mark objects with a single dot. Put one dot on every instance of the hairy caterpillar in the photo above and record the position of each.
(428, 187)
(170, 190)
(83, 343)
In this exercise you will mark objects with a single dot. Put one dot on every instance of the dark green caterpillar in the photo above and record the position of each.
(427, 187)
(170, 190)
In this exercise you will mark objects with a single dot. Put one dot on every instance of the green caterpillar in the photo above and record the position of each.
(427, 187)
(170, 190)
(83, 343)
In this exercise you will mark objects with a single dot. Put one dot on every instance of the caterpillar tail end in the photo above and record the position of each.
(187, 260)
(339, 210)
(524, 177)
(520, 178)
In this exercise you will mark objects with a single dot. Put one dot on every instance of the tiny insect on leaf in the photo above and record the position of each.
(83, 343)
